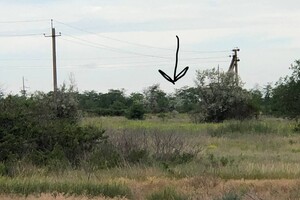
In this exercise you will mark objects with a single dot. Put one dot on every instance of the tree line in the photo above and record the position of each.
(215, 97)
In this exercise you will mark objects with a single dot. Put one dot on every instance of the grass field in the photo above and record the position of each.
(256, 159)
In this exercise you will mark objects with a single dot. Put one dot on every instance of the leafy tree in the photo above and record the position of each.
(257, 100)
(89, 100)
(156, 100)
(286, 94)
(267, 99)
(136, 98)
(220, 97)
(1, 94)
(112, 103)
(186, 99)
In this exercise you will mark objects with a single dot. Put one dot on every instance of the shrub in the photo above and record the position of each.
(45, 129)
(105, 156)
(136, 111)
(297, 128)
(3, 169)
(57, 160)
(137, 156)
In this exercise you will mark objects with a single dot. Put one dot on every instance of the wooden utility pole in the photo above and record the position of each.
(53, 36)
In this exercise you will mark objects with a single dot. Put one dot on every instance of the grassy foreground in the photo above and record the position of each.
(257, 159)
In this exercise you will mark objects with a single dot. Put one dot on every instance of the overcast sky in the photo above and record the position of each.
(121, 44)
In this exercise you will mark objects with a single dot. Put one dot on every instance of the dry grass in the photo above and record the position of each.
(258, 165)
(51, 197)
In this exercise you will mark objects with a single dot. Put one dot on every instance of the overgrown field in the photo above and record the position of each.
(168, 157)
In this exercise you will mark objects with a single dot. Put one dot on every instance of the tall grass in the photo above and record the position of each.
(28, 187)
(250, 149)
(251, 127)
(166, 194)
(184, 125)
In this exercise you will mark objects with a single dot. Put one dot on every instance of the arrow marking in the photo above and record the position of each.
(178, 76)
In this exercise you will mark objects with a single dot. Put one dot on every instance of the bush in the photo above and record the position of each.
(45, 130)
(137, 156)
(297, 128)
(3, 169)
(105, 156)
(136, 111)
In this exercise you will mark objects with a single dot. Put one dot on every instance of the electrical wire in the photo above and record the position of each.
(100, 65)
(23, 21)
(22, 35)
(101, 46)
(136, 44)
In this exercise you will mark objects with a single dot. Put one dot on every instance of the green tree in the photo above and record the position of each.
(267, 99)
(156, 100)
(114, 102)
(286, 94)
(220, 97)
(257, 100)
(136, 98)
(89, 100)
(186, 99)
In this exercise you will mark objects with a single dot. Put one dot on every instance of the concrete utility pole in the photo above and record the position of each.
(23, 91)
(235, 56)
(53, 35)
(234, 64)
(218, 74)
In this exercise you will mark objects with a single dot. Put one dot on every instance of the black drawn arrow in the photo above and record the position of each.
(178, 76)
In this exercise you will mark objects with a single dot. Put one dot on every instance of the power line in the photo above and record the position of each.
(110, 38)
(136, 44)
(105, 66)
(21, 35)
(101, 46)
(23, 59)
(97, 58)
(105, 47)
(23, 21)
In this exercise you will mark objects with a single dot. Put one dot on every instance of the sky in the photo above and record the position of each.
(122, 44)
